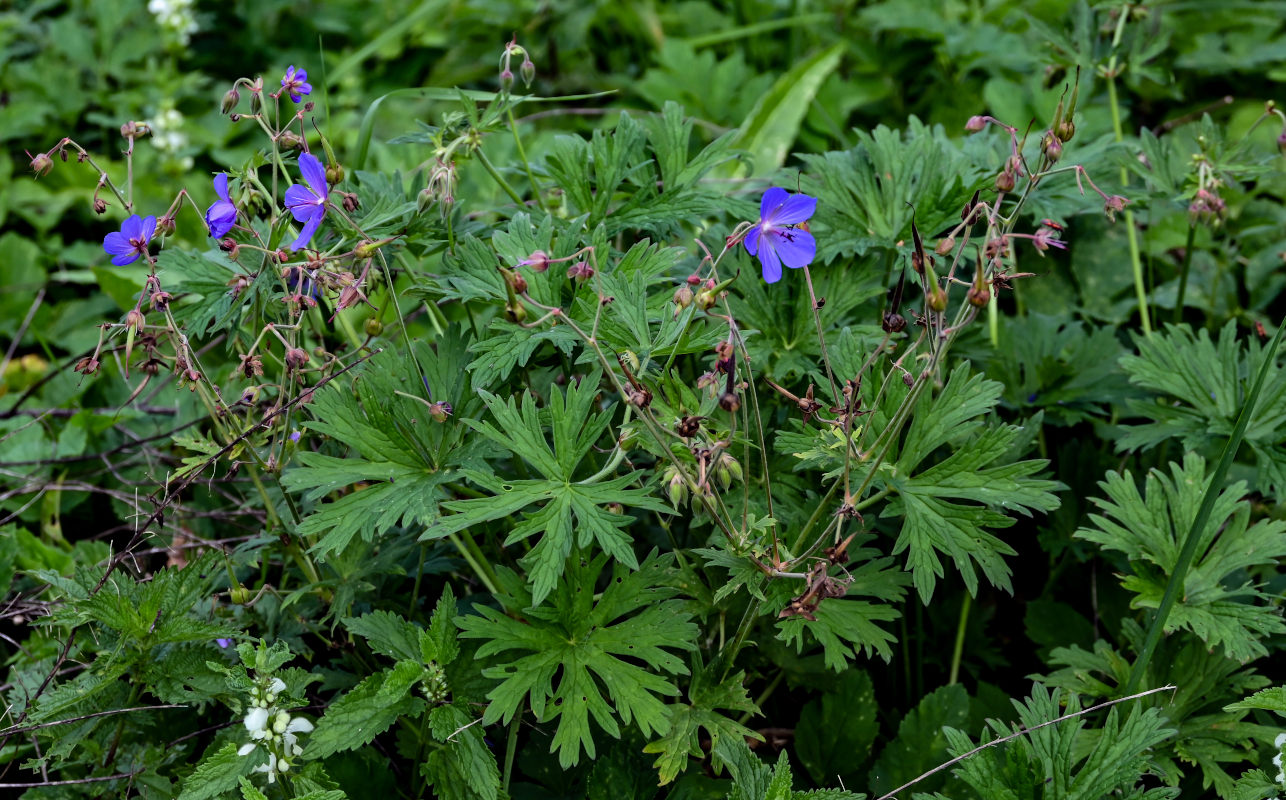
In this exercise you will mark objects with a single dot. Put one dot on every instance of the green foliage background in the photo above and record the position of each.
(521, 594)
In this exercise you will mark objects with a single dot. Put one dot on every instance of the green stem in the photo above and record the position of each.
(497, 177)
(522, 154)
(484, 575)
(958, 651)
(511, 749)
(1179, 574)
(1131, 233)
(1183, 274)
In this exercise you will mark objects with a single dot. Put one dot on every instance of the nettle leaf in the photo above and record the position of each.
(367, 710)
(929, 499)
(1209, 380)
(1217, 603)
(571, 513)
(1271, 699)
(404, 455)
(218, 773)
(836, 731)
(386, 633)
(1063, 760)
(921, 743)
(463, 768)
(581, 658)
(706, 693)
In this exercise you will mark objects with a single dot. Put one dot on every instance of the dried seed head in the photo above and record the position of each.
(730, 402)
(1114, 204)
(688, 427)
(87, 365)
(100, 205)
(580, 271)
(134, 319)
(683, 297)
(296, 358)
(160, 300)
(893, 322)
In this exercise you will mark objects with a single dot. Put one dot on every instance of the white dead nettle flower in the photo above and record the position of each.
(274, 728)
(168, 136)
(176, 17)
(1280, 744)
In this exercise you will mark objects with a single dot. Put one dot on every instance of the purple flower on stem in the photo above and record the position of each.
(131, 240)
(777, 239)
(221, 216)
(224, 643)
(296, 83)
(308, 203)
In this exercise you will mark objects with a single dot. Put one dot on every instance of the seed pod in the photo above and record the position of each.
(730, 402)
(374, 327)
(945, 246)
(230, 100)
(1005, 180)
(978, 296)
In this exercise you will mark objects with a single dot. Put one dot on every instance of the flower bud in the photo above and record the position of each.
(1005, 180)
(230, 100)
(41, 164)
(296, 358)
(683, 297)
(528, 71)
(289, 140)
(727, 470)
(975, 124)
(425, 200)
(538, 261)
(506, 80)
(440, 411)
(676, 489)
(1281, 140)
(1051, 146)
(937, 299)
(374, 327)
(100, 206)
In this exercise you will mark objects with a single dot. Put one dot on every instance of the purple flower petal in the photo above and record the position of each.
(117, 244)
(301, 241)
(771, 264)
(773, 199)
(302, 202)
(221, 187)
(795, 210)
(220, 218)
(795, 247)
(752, 240)
(314, 173)
(149, 228)
(132, 227)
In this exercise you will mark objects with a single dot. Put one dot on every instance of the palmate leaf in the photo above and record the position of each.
(936, 521)
(1209, 380)
(706, 694)
(403, 455)
(1217, 605)
(570, 514)
(577, 658)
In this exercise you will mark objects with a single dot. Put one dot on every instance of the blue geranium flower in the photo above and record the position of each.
(777, 239)
(131, 240)
(296, 83)
(221, 216)
(308, 203)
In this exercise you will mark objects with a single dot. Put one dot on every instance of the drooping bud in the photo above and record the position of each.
(1051, 146)
(538, 261)
(1281, 140)
(349, 201)
(727, 470)
(296, 358)
(41, 164)
(100, 206)
(425, 200)
(1114, 204)
(230, 100)
(440, 411)
(527, 70)
(1005, 180)
(676, 489)
(506, 80)
(975, 124)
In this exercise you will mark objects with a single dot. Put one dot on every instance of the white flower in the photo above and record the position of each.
(1279, 741)
(246, 749)
(270, 768)
(257, 723)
